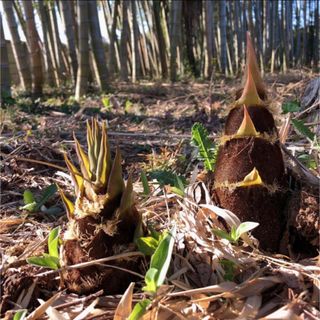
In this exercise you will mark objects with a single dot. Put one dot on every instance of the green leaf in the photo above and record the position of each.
(127, 106)
(206, 148)
(222, 234)
(28, 197)
(165, 177)
(177, 191)
(145, 184)
(139, 309)
(46, 195)
(106, 102)
(179, 186)
(161, 258)
(245, 227)
(147, 245)
(45, 261)
(30, 207)
(20, 314)
(303, 129)
(229, 268)
(151, 280)
(53, 242)
(233, 234)
(308, 161)
(157, 235)
(29, 201)
(292, 106)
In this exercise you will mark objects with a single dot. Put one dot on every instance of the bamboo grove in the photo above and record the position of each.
(81, 43)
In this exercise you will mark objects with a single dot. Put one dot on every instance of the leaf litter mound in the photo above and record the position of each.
(209, 277)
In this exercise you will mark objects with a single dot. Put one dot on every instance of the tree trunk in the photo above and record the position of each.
(297, 50)
(56, 44)
(191, 13)
(223, 36)
(135, 35)
(18, 11)
(83, 68)
(153, 44)
(209, 36)
(5, 72)
(288, 31)
(19, 56)
(97, 45)
(157, 12)
(175, 31)
(114, 64)
(124, 43)
(285, 44)
(304, 35)
(73, 9)
(269, 42)
(316, 38)
(54, 59)
(275, 33)
(265, 29)
(35, 50)
(49, 74)
(238, 44)
(258, 33)
(244, 29)
(69, 30)
(145, 61)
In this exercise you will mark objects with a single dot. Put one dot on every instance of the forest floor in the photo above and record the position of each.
(152, 125)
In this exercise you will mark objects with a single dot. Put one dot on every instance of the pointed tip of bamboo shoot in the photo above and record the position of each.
(115, 182)
(250, 96)
(247, 127)
(251, 179)
(252, 64)
(68, 204)
(127, 197)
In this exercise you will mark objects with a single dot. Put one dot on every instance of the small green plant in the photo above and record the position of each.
(235, 233)
(229, 268)
(7, 100)
(207, 150)
(148, 245)
(145, 184)
(51, 259)
(299, 125)
(20, 314)
(32, 204)
(166, 177)
(106, 103)
(127, 106)
(303, 129)
(156, 274)
(291, 106)
(308, 161)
